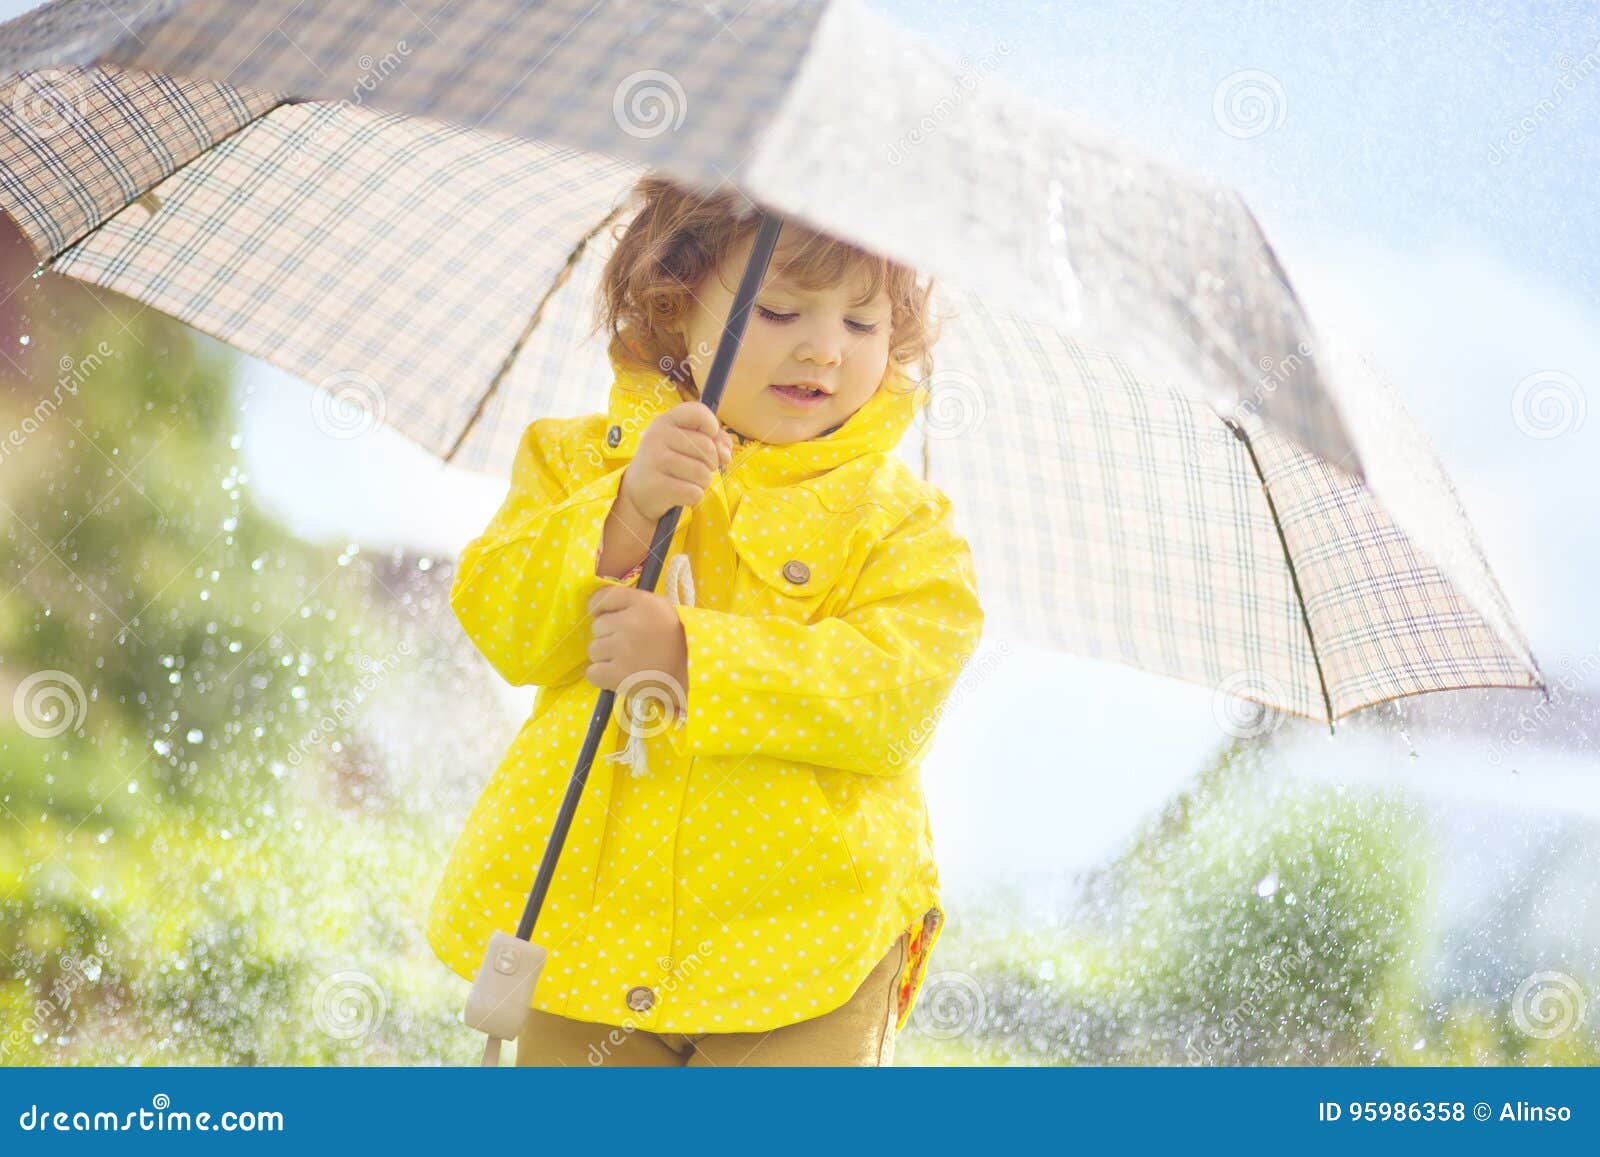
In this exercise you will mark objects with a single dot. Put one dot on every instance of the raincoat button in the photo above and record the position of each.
(796, 571)
(640, 998)
(614, 437)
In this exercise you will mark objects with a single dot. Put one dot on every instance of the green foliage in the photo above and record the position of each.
(1260, 920)
(187, 853)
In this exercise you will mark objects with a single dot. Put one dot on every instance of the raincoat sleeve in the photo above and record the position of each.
(522, 587)
(861, 690)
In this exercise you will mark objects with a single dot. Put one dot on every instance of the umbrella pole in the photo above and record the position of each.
(502, 995)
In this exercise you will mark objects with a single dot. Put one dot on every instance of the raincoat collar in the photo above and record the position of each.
(638, 394)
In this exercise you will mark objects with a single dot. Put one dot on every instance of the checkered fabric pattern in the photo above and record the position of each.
(431, 253)
(1116, 517)
(821, 109)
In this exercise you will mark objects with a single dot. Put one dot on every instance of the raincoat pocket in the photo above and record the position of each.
(793, 554)
(836, 829)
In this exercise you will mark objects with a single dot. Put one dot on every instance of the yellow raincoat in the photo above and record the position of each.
(777, 841)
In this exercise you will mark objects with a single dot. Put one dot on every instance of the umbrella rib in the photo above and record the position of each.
(1288, 559)
(534, 318)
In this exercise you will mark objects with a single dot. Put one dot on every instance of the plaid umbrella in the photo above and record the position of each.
(1170, 486)
(426, 242)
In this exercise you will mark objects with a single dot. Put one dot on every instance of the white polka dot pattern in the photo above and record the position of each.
(780, 842)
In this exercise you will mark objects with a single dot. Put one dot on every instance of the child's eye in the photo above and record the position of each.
(780, 318)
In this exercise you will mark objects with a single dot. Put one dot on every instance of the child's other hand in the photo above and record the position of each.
(677, 455)
(636, 631)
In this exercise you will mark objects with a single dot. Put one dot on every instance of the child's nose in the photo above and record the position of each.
(824, 350)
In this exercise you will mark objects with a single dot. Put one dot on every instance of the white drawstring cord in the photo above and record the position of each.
(677, 583)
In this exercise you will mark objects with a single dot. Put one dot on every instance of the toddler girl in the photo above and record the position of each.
(749, 876)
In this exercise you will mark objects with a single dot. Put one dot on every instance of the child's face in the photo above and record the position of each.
(824, 336)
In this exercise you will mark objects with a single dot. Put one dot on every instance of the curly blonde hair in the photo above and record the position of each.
(677, 236)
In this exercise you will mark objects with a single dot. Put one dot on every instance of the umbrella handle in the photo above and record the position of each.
(727, 348)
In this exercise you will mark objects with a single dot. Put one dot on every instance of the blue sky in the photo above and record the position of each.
(1391, 111)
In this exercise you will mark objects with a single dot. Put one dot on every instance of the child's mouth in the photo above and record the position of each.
(799, 396)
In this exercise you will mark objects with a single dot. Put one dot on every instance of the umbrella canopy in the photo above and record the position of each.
(1130, 411)
(822, 111)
